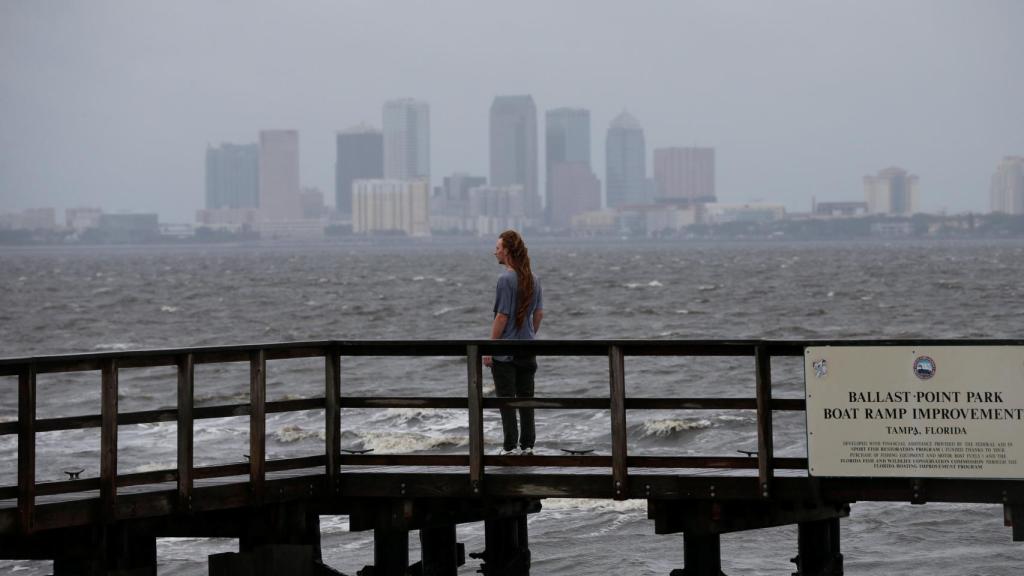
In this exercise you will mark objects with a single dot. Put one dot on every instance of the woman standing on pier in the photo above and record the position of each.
(518, 311)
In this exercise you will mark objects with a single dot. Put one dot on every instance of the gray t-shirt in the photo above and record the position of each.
(505, 302)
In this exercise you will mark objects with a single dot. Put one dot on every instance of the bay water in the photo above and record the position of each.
(57, 300)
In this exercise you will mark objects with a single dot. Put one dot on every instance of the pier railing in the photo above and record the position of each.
(617, 402)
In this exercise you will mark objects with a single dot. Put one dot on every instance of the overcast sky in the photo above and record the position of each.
(112, 103)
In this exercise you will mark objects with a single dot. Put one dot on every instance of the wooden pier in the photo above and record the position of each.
(109, 524)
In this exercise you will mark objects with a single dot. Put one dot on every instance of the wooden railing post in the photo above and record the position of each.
(332, 415)
(765, 449)
(476, 418)
(257, 422)
(617, 380)
(27, 447)
(186, 396)
(108, 439)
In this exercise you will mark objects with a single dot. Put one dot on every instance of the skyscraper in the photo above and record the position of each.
(406, 140)
(625, 162)
(514, 147)
(449, 206)
(892, 191)
(279, 175)
(360, 155)
(574, 189)
(685, 174)
(1007, 191)
(233, 176)
(567, 139)
(495, 209)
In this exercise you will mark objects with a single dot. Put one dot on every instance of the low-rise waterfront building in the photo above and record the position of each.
(391, 207)
(892, 191)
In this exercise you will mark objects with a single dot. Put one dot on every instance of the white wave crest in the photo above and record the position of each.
(595, 504)
(168, 309)
(295, 433)
(654, 283)
(401, 442)
(116, 346)
(155, 466)
(406, 415)
(735, 418)
(670, 426)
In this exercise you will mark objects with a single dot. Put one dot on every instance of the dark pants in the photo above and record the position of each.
(515, 380)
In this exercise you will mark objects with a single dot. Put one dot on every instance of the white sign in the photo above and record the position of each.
(929, 411)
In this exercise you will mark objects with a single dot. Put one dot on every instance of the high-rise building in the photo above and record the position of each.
(574, 189)
(407, 140)
(390, 207)
(83, 218)
(279, 175)
(449, 206)
(514, 147)
(625, 162)
(1007, 190)
(495, 209)
(891, 191)
(685, 174)
(312, 202)
(233, 176)
(567, 139)
(359, 156)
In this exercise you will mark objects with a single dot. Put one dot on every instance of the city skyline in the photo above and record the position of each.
(118, 113)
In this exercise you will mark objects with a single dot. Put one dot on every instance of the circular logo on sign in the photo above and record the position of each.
(924, 367)
(820, 368)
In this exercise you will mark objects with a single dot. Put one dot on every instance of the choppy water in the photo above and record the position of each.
(78, 299)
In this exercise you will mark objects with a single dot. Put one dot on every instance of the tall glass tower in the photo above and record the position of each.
(360, 156)
(406, 140)
(625, 162)
(567, 139)
(514, 147)
(233, 176)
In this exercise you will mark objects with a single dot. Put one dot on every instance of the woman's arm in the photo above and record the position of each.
(497, 327)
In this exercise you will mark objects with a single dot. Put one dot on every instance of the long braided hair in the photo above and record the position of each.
(519, 260)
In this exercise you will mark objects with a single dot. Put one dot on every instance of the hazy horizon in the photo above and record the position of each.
(113, 103)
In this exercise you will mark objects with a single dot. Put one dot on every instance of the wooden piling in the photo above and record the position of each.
(257, 423)
(332, 415)
(26, 448)
(108, 440)
(476, 418)
(702, 555)
(441, 554)
(765, 442)
(617, 384)
(818, 546)
(186, 396)
(507, 544)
